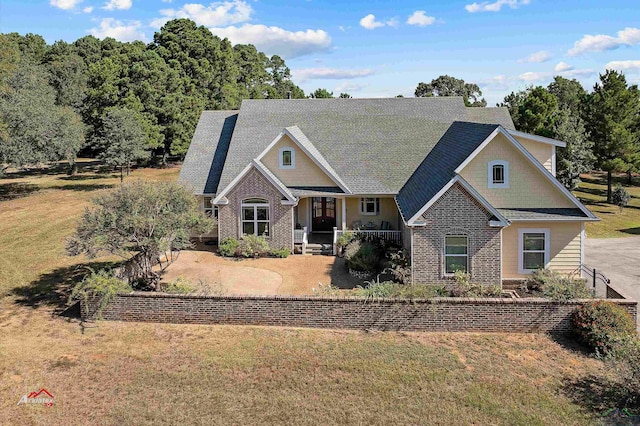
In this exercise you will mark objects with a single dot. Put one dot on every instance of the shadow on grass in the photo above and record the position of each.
(593, 191)
(340, 276)
(604, 397)
(81, 177)
(82, 188)
(54, 288)
(11, 191)
(632, 231)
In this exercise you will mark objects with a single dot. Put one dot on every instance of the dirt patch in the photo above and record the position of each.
(295, 275)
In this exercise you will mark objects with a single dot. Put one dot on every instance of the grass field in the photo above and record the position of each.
(129, 374)
(614, 223)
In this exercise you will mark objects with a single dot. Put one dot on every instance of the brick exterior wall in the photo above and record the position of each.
(255, 185)
(456, 213)
(440, 314)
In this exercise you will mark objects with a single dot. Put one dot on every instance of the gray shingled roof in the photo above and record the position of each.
(498, 115)
(438, 168)
(207, 153)
(374, 145)
(543, 214)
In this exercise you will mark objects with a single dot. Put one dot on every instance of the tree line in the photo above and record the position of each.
(124, 101)
(601, 127)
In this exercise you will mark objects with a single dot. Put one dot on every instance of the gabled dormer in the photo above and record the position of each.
(293, 158)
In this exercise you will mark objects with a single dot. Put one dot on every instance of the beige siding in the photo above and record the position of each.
(543, 152)
(304, 204)
(564, 251)
(527, 185)
(306, 172)
(388, 212)
(214, 232)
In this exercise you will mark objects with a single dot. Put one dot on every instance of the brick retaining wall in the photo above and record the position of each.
(439, 314)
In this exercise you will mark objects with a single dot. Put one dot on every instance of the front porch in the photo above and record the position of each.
(320, 221)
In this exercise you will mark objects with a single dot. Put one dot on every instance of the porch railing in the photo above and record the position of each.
(300, 236)
(388, 235)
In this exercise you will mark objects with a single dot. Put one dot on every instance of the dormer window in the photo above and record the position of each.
(287, 158)
(498, 174)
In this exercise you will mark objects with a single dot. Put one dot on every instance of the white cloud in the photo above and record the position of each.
(348, 86)
(601, 42)
(369, 22)
(329, 73)
(117, 4)
(623, 65)
(486, 6)
(216, 14)
(563, 66)
(578, 73)
(122, 31)
(275, 40)
(65, 4)
(420, 18)
(533, 76)
(542, 56)
(88, 9)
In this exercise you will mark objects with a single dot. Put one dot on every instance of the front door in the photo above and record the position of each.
(323, 214)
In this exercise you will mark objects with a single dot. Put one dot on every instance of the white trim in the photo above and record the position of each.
(501, 257)
(547, 247)
(568, 219)
(502, 221)
(255, 220)
(444, 254)
(281, 164)
(553, 161)
(583, 235)
(533, 160)
(376, 201)
(343, 213)
(332, 175)
(537, 138)
(505, 174)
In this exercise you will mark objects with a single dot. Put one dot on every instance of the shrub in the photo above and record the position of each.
(620, 197)
(366, 259)
(253, 246)
(100, 288)
(179, 286)
(376, 289)
(420, 291)
(625, 361)
(328, 290)
(557, 286)
(228, 247)
(600, 324)
(282, 253)
(465, 288)
(400, 265)
(344, 239)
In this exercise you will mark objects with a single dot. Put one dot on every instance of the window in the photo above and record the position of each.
(287, 158)
(255, 217)
(533, 250)
(456, 254)
(498, 174)
(370, 206)
(209, 209)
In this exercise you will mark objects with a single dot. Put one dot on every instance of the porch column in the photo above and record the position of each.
(344, 213)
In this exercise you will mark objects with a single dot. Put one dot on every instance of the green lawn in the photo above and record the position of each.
(614, 223)
(153, 374)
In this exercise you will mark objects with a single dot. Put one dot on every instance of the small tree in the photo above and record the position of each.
(322, 94)
(121, 140)
(139, 222)
(620, 197)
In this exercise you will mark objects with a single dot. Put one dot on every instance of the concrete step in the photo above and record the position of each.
(320, 249)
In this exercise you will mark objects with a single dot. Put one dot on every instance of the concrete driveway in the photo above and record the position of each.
(618, 259)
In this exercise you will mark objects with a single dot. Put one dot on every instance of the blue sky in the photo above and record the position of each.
(379, 48)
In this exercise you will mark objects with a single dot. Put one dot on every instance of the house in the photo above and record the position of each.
(459, 187)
